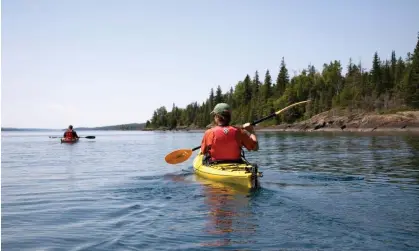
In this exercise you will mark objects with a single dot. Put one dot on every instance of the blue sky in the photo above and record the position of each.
(103, 62)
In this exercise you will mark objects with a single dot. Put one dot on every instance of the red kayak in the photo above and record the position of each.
(68, 140)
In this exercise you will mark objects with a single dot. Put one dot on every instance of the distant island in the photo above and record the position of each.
(121, 127)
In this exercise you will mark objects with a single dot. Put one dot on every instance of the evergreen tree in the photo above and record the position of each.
(376, 83)
(230, 98)
(256, 85)
(218, 96)
(267, 87)
(247, 90)
(411, 80)
(211, 101)
(173, 122)
(391, 84)
(282, 80)
(393, 68)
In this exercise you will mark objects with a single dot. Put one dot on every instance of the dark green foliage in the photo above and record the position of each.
(219, 96)
(282, 80)
(267, 87)
(376, 75)
(389, 85)
(412, 79)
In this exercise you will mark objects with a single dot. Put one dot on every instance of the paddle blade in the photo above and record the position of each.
(178, 156)
(90, 137)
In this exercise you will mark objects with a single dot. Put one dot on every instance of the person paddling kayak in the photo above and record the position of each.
(70, 133)
(224, 142)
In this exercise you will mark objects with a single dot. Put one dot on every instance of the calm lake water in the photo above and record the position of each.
(320, 191)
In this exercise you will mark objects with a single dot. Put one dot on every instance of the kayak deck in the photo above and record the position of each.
(243, 174)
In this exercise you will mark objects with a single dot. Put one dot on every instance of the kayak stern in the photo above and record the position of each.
(69, 141)
(243, 174)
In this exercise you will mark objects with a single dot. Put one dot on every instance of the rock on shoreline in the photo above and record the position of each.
(355, 122)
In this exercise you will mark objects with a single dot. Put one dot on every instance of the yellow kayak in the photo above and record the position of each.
(243, 174)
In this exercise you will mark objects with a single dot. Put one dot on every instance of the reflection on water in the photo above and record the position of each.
(351, 156)
(229, 212)
(412, 160)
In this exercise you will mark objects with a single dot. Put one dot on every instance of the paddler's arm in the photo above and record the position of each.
(206, 141)
(250, 140)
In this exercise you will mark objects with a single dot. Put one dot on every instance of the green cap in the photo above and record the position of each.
(221, 108)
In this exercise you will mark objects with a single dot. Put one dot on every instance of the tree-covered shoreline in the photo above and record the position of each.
(390, 85)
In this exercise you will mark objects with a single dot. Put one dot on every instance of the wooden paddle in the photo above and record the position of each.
(181, 155)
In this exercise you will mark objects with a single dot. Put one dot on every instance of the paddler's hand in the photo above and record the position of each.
(248, 127)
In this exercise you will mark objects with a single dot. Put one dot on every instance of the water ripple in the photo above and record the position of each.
(320, 191)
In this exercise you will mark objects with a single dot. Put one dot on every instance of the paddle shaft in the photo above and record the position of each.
(182, 155)
(278, 112)
(263, 119)
(87, 137)
(267, 117)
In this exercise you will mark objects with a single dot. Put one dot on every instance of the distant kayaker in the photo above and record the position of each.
(70, 133)
(224, 142)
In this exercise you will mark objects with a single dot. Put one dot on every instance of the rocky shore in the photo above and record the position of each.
(355, 122)
(339, 120)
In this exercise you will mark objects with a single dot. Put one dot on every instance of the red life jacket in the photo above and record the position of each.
(225, 145)
(69, 134)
